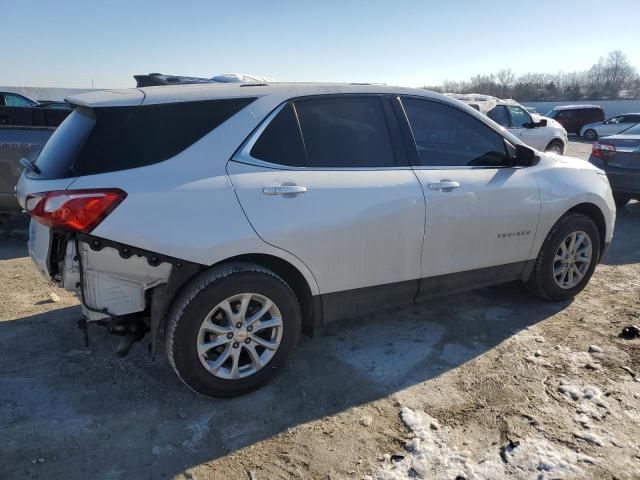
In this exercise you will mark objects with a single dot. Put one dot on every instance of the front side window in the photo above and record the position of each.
(16, 101)
(519, 116)
(500, 115)
(564, 114)
(345, 132)
(446, 136)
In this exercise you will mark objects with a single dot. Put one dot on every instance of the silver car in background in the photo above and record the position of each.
(611, 126)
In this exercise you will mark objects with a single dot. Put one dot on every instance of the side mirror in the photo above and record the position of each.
(541, 123)
(525, 157)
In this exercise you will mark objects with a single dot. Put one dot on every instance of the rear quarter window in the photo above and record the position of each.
(108, 139)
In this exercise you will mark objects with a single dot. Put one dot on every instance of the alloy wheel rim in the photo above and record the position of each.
(239, 336)
(572, 259)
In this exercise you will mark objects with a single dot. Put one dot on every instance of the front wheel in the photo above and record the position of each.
(591, 135)
(232, 329)
(556, 147)
(567, 258)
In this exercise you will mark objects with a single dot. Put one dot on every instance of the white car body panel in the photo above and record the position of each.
(565, 182)
(465, 225)
(353, 228)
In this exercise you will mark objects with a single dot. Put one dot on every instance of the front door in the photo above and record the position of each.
(481, 212)
(321, 180)
(536, 137)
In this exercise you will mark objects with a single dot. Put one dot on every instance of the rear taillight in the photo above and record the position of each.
(603, 149)
(77, 210)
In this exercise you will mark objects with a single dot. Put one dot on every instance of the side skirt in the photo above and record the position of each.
(339, 306)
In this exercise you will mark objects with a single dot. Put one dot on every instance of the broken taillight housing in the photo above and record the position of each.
(76, 210)
(603, 149)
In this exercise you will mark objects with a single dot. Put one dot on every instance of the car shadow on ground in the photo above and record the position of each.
(69, 404)
(625, 246)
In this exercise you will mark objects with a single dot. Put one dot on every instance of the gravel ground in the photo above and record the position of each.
(485, 384)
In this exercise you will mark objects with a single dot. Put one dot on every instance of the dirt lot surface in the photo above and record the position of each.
(486, 384)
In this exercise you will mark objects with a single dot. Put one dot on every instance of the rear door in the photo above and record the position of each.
(326, 179)
(482, 213)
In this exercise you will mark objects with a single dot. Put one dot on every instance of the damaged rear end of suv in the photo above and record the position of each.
(117, 149)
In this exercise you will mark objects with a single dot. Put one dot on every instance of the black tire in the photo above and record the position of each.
(541, 282)
(199, 297)
(555, 144)
(621, 200)
(591, 135)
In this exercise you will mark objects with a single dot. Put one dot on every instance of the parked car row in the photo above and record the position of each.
(619, 156)
(541, 133)
(25, 126)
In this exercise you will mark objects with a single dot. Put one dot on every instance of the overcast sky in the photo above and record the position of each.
(70, 43)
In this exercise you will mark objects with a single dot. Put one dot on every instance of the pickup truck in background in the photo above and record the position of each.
(25, 126)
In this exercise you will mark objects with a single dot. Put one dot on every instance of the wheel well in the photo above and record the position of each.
(555, 140)
(594, 213)
(294, 279)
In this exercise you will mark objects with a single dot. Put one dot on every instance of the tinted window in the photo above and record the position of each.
(281, 142)
(127, 137)
(635, 130)
(16, 101)
(345, 132)
(519, 116)
(500, 116)
(564, 114)
(446, 136)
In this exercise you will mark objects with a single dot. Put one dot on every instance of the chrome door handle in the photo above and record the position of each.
(284, 190)
(444, 185)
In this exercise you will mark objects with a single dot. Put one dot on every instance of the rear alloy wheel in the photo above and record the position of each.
(232, 329)
(556, 147)
(567, 258)
(591, 135)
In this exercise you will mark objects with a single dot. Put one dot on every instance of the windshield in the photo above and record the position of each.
(551, 113)
(635, 130)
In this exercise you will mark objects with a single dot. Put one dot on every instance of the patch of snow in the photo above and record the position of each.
(589, 437)
(588, 392)
(430, 456)
(199, 429)
(240, 78)
(162, 450)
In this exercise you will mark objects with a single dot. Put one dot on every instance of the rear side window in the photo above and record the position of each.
(446, 136)
(107, 139)
(500, 115)
(345, 132)
(281, 142)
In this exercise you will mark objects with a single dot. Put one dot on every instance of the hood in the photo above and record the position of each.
(594, 124)
(573, 162)
(551, 122)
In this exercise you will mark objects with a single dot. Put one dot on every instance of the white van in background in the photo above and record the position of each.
(539, 132)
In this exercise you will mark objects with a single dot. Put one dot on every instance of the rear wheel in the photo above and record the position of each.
(567, 258)
(232, 329)
(591, 135)
(555, 146)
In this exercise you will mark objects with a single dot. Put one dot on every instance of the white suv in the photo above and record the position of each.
(229, 218)
(539, 132)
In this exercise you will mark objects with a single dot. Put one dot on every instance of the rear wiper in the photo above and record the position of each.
(29, 165)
